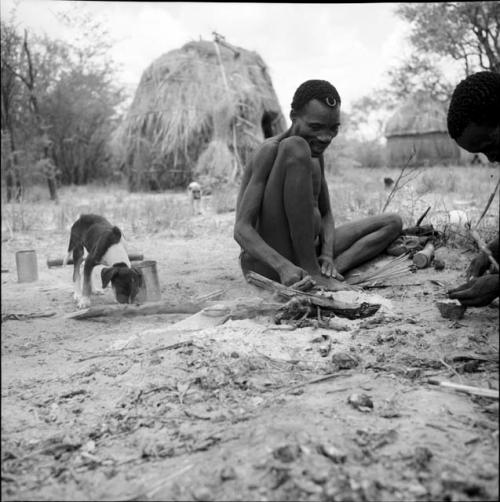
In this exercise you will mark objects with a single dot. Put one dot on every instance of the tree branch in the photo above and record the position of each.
(15, 73)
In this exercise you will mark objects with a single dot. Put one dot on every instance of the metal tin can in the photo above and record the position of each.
(26, 264)
(150, 288)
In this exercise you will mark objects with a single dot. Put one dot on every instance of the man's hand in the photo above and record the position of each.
(291, 274)
(328, 268)
(478, 266)
(478, 292)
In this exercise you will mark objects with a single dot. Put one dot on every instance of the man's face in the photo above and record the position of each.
(481, 139)
(318, 124)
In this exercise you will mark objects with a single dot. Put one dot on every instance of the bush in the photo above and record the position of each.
(346, 153)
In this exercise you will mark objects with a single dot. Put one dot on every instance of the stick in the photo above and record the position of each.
(395, 187)
(423, 216)
(394, 264)
(467, 389)
(118, 353)
(210, 296)
(286, 292)
(177, 345)
(23, 317)
(58, 262)
(324, 378)
(381, 285)
(135, 310)
(490, 200)
(483, 247)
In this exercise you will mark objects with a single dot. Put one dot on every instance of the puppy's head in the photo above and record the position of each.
(124, 280)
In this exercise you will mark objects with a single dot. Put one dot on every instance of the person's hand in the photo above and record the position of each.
(478, 266)
(291, 274)
(478, 292)
(328, 268)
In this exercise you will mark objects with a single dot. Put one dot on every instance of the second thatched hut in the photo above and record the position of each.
(198, 111)
(419, 125)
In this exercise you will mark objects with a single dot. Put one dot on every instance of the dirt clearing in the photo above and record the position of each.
(144, 408)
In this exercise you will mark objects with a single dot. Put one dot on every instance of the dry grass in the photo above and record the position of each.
(182, 104)
(355, 193)
(360, 192)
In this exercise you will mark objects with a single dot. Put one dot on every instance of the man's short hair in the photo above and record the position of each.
(475, 99)
(321, 90)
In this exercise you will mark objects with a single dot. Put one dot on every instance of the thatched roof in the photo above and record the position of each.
(185, 102)
(419, 114)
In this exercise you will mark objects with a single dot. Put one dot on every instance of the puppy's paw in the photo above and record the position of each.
(76, 296)
(84, 302)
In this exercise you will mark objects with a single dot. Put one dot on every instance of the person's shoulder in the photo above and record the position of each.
(272, 143)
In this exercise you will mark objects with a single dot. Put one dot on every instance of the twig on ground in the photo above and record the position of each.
(187, 343)
(95, 356)
(190, 414)
(324, 378)
(467, 389)
(152, 308)
(119, 352)
(210, 296)
(23, 317)
(453, 370)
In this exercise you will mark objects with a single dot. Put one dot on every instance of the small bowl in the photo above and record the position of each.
(451, 309)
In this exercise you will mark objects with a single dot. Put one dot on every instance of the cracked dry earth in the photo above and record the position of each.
(157, 408)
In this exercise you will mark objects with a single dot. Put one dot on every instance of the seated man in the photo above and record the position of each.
(284, 222)
(474, 123)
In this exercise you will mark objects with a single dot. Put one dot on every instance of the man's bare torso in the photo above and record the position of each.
(316, 178)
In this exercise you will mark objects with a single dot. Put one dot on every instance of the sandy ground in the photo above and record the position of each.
(106, 409)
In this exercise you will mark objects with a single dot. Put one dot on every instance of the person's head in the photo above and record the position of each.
(315, 114)
(474, 114)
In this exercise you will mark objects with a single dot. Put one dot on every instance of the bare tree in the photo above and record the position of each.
(9, 91)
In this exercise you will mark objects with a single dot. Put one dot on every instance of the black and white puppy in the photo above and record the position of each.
(104, 245)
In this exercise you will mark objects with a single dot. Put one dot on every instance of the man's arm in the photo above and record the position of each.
(326, 259)
(480, 263)
(480, 289)
(478, 292)
(250, 201)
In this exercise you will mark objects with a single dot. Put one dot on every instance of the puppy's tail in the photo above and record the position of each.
(72, 245)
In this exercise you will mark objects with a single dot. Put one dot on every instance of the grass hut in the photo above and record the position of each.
(419, 125)
(198, 112)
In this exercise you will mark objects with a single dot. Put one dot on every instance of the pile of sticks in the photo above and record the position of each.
(301, 299)
(395, 268)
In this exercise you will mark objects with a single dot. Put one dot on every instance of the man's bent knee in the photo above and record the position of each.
(395, 223)
(295, 149)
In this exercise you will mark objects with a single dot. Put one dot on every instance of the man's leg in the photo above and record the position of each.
(286, 220)
(362, 240)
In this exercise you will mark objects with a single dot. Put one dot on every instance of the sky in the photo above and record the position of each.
(350, 45)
